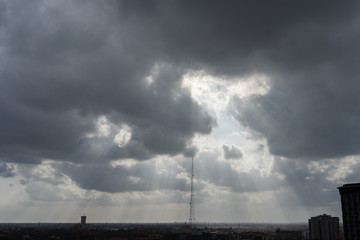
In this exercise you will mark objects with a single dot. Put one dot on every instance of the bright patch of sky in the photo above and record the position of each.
(215, 93)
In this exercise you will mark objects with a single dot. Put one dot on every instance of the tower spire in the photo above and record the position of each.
(192, 207)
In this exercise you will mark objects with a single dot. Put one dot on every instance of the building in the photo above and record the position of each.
(350, 205)
(324, 227)
(254, 235)
(83, 220)
(288, 235)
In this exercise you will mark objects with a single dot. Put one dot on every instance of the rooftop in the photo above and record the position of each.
(350, 185)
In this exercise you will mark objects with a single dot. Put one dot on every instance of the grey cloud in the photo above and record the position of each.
(24, 181)
(6, 170)
(232, 152)
(352, 177)
(308, 49)
(33, 174)
(293, 182)
(64, 64)
(106, 178)
(315, 120)
(60, 72)
(210, 170)
(230, 38)
(305, 186)
(311, 110)
(106, 199)
(191, 152)
(40, 191)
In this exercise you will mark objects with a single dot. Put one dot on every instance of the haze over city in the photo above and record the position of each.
(104, 103)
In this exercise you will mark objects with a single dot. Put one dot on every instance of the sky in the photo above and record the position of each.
(103, 104)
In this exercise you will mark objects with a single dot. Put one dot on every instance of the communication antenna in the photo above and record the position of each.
(192, 207)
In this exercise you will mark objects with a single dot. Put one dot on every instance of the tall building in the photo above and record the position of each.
(324, 227)
(350, 205)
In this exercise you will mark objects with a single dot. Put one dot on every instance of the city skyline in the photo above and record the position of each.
(103, 104)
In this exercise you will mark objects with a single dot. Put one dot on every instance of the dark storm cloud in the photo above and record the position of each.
(234, 37)
(232, 152)
(317, 118)
(308, 49)
(66, 64)
(312, 108)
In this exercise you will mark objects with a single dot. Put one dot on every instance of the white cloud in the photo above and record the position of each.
(215, 92)
(123, 136)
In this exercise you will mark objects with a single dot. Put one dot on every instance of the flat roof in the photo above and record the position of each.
(349, 185)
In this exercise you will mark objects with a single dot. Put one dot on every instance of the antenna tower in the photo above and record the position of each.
(192, 218)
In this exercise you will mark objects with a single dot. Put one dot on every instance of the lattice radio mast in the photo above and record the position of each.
(192, 207)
